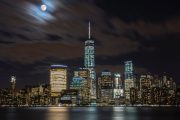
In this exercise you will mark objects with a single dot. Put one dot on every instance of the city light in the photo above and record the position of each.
(84, 87)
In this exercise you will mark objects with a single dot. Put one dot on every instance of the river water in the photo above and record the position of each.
(90, 113)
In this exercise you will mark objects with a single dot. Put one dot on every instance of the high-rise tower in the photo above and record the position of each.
(13, 85)
(58, 82)
(129, 79)
(89, 62)
(128, 70)
(58, 79)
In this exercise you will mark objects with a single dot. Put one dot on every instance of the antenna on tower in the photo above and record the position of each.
(89, 30)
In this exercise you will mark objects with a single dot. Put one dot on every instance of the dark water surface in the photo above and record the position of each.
(90, 113)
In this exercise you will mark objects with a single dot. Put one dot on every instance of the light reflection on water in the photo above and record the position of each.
(56, 113)
(118, 113)
(68, 113)
(89, 113)
(125, 113)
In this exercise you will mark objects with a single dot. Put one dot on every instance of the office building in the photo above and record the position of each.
(89, 62)
(105, 82)
(81, 82)
(145, 88)
(13, 87)
(118, 90)
(58, 79)
(129, 79)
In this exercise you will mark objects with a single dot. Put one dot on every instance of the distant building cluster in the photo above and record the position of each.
(85, 87)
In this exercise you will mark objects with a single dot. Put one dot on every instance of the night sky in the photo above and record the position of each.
(31, 40)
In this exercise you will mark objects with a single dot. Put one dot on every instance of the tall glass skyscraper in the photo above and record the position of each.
(128, 70)
(89, 62)
(129, 79)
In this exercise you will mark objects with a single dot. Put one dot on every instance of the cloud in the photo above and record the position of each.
(30, 38)
(53, 37)
(149, 29)
(31, 52)
(113, 36)
(34, 42)
(6, 42)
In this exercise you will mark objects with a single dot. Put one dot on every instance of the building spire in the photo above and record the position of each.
(89, 30)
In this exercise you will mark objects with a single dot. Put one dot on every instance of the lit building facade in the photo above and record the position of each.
(13, 86)
(13, 83)
(118, 83)
(118, 91)
(81, 82)
(77, 83)
(69, 97)
(168, 90)
(133, 96)
(129, 79)
(155, 95)
(145, 81)
(105, 86)
(36, 95)
(145, 88)
(89, 62)
(58, 79)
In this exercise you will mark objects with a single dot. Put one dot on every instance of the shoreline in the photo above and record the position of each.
(71, 106)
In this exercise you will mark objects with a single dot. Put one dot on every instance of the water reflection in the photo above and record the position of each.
(57, 113)
(93, 114)
(11, 114)
(83, 113)
(118, 113)
(89, 113)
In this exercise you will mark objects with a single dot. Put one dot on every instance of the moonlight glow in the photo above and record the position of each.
(43, 7)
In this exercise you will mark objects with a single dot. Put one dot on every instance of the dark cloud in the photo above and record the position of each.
(6, 34)
(31, 40)
(52, 37)
(22, 37)
(25, 53)
(6, 42)
(130, 10)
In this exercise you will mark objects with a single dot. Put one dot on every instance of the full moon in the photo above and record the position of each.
(43, 7)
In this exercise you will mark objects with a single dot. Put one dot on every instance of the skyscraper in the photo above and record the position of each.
(146, 88)
(58, 79)
(13, 85)
(118, 81)
(118, 91)
(89, 62)
(128, 70)
(105, 86)
(129, 81)
(81, 82)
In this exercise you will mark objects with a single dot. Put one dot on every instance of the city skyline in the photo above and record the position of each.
(112, 89)
(30, 42)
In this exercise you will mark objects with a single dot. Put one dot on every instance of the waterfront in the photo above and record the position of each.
(90, 113)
